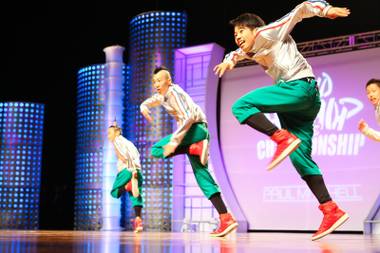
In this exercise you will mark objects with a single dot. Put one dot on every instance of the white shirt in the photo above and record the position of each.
(371, 133)
(127, 154)
(179, 105)
(276, 51)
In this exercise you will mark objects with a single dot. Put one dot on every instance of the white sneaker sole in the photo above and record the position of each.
(138, 230)
(292, 147)
(337, 224)
(228, 230)
(205, 150)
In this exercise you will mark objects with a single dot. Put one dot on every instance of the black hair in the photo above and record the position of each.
(159, 68)
(249, 20)
(373, 80)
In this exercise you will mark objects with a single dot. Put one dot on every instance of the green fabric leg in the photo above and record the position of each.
(301, 157)
(122, 178)
(203, 177)
(196, 133)
(294, 96)
(297, 104)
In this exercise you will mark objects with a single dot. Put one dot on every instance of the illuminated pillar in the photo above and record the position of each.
(154, 37)
(99, 101)
(113, 109)
(89, 144)
(21, 134)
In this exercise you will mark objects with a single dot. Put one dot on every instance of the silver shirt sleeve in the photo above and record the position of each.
(274, 48)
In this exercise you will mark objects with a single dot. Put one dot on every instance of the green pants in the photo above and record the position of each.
(196, 133)
(297, 104)
(122, 178)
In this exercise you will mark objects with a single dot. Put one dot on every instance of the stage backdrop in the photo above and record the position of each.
(280, 200)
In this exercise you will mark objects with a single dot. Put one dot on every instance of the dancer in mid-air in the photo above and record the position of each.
(190, 138)
(129, 178)
(294, 97)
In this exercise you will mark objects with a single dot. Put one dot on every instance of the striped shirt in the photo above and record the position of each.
(128, 157)
(371, 133)
(180, 106)
(275, 50)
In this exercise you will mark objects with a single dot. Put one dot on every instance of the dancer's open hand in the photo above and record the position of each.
(222, 67)
(335, 12)
(362, 125)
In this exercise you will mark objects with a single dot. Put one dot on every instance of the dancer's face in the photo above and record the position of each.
(244, 37)
(373, 93)
(112, 133)
(161, 81)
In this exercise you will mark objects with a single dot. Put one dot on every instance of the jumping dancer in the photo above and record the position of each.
(190, 138)
(294, 97)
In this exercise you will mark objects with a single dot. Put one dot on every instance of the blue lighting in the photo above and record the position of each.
(20, 216)
(90, 140)
(148, 49)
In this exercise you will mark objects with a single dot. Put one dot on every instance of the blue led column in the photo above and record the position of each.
(113, 109)
(21, 135)
(99, 102)
(89, 143)
(154, 38)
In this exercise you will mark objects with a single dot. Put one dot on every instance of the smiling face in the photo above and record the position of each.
(244, 37)
(161, 81)
(373, 93)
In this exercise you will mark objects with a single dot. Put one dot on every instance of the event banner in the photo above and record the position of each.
(280, 199)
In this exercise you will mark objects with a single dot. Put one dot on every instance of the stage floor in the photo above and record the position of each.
(115, 242)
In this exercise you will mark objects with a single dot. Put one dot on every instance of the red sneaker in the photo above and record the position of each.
(333, 217)
(137, 225)
(286, 144)
(128, 186)
(133, 185)
(201, 148)
(226, 226)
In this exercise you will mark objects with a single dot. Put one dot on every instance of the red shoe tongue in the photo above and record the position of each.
(328, 209)
(279, 136)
